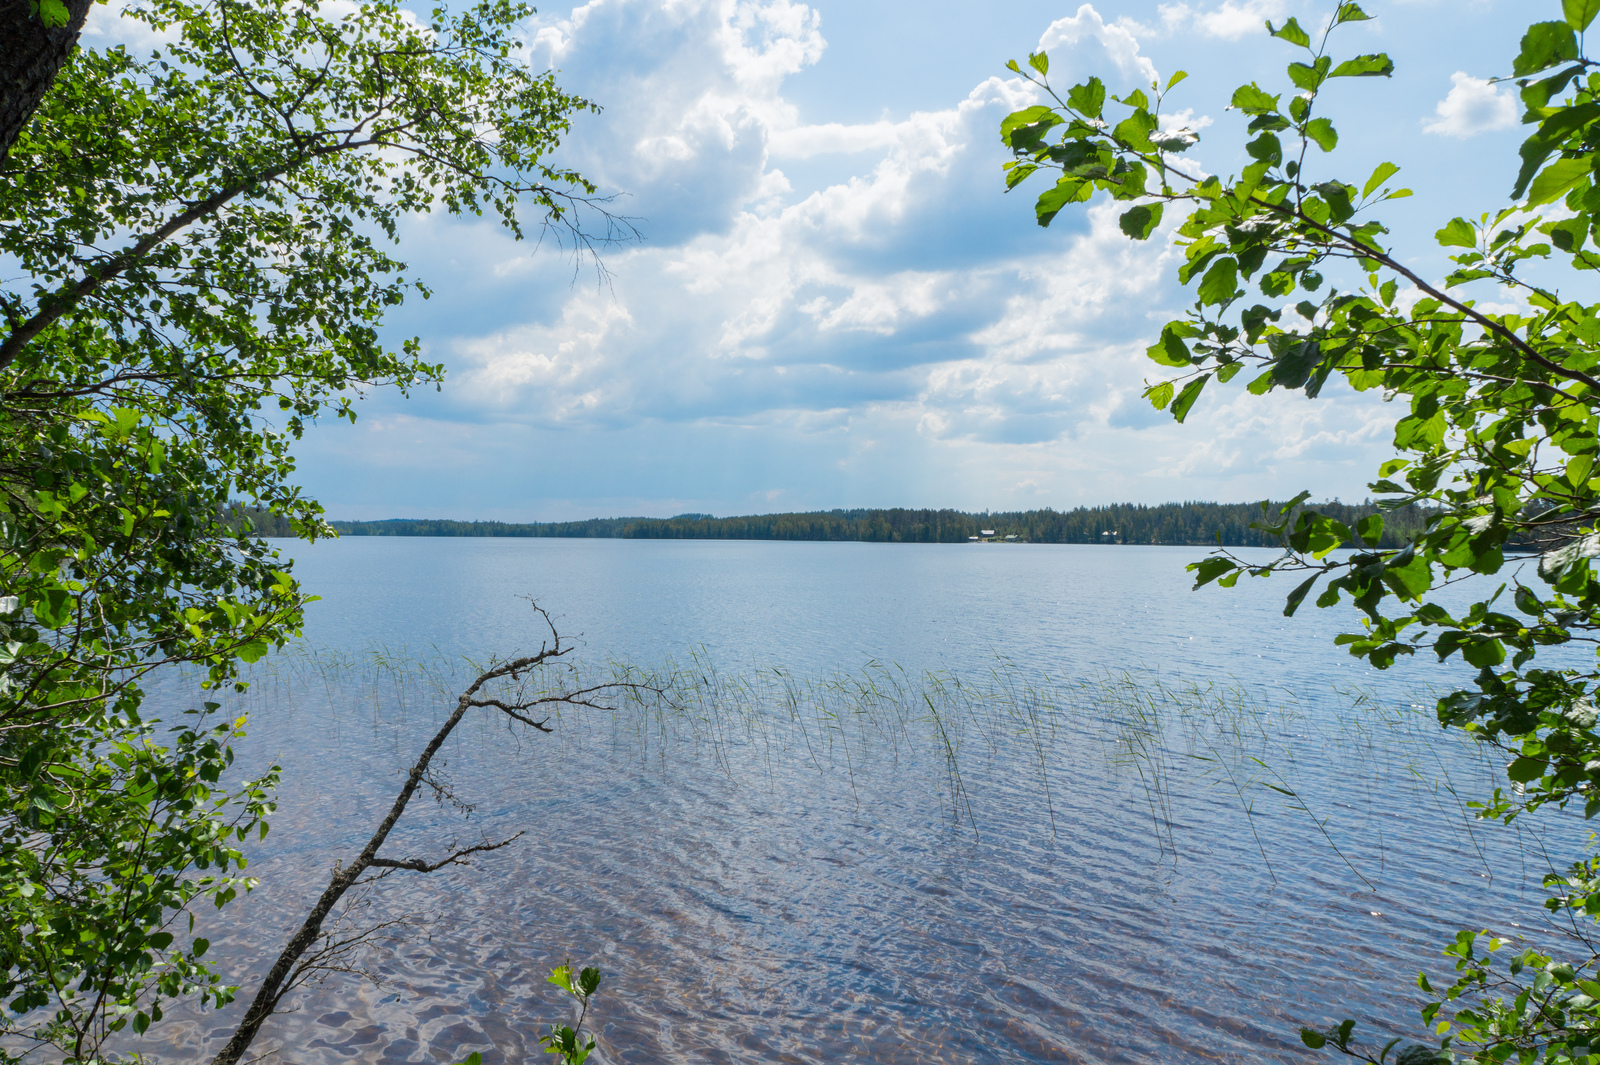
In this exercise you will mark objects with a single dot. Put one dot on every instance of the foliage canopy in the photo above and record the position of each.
(200, 236)
(1499, 439)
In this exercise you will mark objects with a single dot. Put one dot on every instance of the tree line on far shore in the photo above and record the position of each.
(1125, 523)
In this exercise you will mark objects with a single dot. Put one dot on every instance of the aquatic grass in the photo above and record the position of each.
(1321, 757)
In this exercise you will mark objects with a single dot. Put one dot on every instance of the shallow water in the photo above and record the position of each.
(1021, 856)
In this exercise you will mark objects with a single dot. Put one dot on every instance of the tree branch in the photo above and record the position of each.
(453, 858)
(290, 962)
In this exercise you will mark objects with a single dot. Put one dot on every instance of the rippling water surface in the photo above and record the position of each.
(911, 803)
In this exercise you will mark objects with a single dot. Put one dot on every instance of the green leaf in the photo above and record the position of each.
(1221, 281)
(1350, 12)
(1543, 46)
(1018, 174)
(1458, 234)
(1377, 65)
(1293, 368)
(1523, 770)
(1088, 99)
(1160, 395)
(1252, 100)
(588, 980)
(1170, 350)
(1578, 469)
(1309, 77)
(1040, 62)
(1266, 148)
(1556, 179)
(1209, 569)
(1322, 133)
(1484, 653)
(1538, 94)
(1579, 13)
(1186, 398)
(1559, 565)
(1066, 191)
(1296, 597)
(561, 976)
(1277, 283)
(1027, 119)
(1313, 1038)
(1135, 130)
(1177, 76)
(1555, 129)
(1290, 31)
(53, 13)
(1408, 574)
(1568, 234)
(1383, 173)
(53, 608)
(1141, 221)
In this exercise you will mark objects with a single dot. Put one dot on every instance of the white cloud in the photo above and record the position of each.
(782, 311)
(108, 25)
(880, 307)
(1117, 40)
(1473, 106)
(803, 142)
(1233, 20)
(1229, 21)
(876, 312)
(827, 311)
(1171, 19)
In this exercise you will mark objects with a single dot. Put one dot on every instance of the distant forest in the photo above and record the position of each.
(1167, 523)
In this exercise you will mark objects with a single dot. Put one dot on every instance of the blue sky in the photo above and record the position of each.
(834, 303)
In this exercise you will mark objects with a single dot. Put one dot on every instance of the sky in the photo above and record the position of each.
(834, 303)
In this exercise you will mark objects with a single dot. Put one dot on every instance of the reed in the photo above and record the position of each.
(1261, 748)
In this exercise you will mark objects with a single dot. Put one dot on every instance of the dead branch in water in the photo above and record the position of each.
(311, 951)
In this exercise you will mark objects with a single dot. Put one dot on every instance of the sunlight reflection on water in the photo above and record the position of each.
(1072, 867)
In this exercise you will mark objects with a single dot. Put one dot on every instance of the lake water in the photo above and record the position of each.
(915, 803)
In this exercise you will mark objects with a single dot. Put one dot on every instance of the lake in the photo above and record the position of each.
(912, 803)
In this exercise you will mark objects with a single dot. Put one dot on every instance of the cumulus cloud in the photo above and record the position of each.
(1473, 106)
(692, 91)
(1115, 40)
(887, 328)
(831, 301)
(822, 312)
(1228, 21)
(108, 24)
(1232, 20)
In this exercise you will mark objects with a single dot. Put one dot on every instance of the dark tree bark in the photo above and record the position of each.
(31, 54)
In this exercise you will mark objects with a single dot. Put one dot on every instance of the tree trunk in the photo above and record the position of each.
(31, 54)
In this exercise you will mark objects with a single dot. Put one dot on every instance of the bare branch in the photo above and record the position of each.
(453, 858)
(294, 960)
